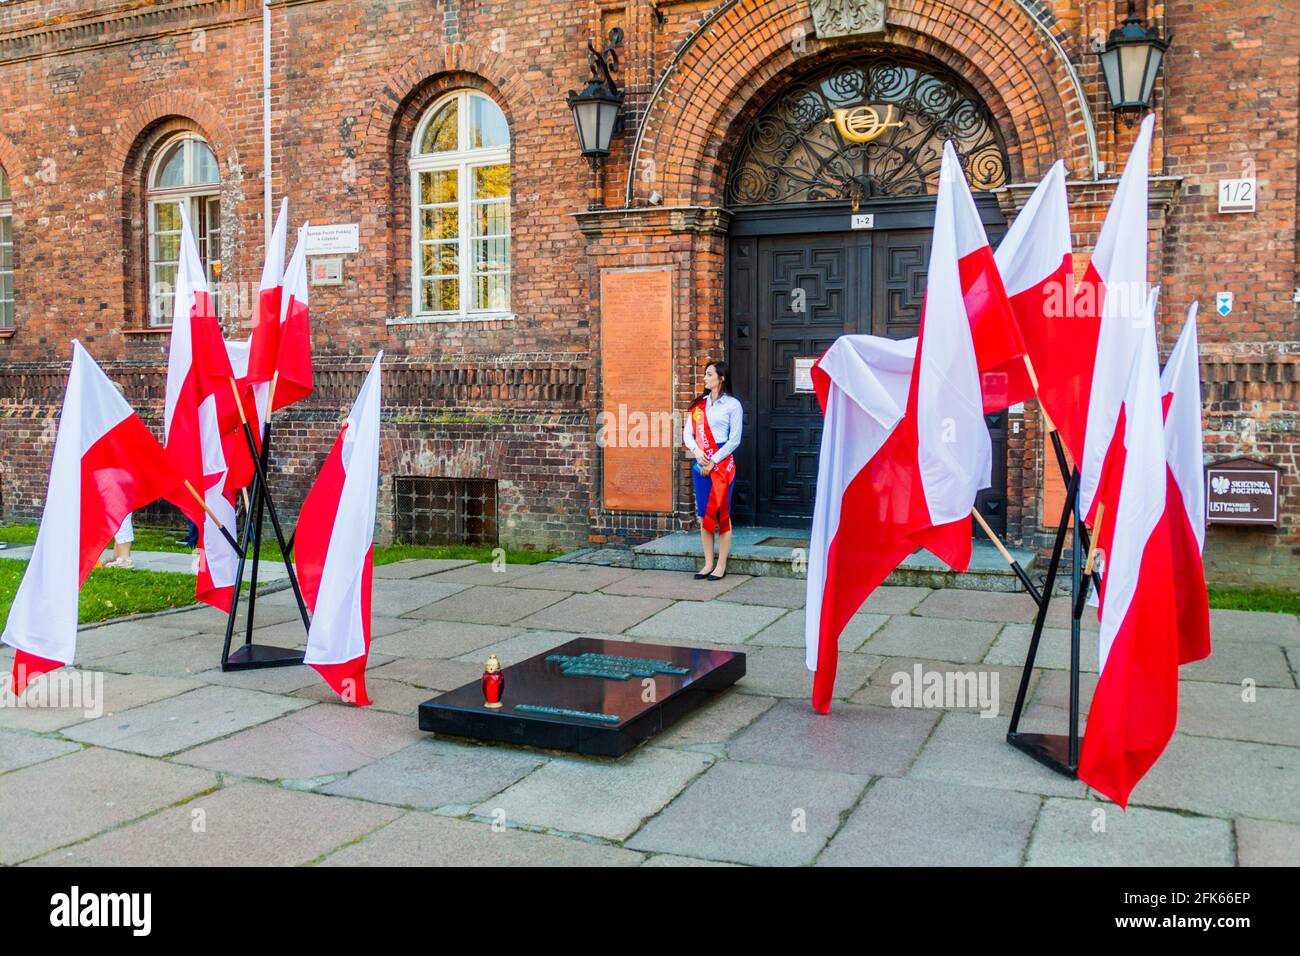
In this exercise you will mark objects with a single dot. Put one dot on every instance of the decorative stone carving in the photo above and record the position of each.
(846, 18)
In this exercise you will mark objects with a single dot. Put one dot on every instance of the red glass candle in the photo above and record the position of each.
(493, 683)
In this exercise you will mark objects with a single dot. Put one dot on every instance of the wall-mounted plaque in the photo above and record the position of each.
(636, 432)
(1242, 491)
(803, 380)
(326, 270)
(333, 239)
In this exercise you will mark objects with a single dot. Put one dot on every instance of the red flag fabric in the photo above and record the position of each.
(1135, 707)
(292, 379)
(891, 480)
(334, 548)
(1036, 264)
(199, 412)
(106, 464)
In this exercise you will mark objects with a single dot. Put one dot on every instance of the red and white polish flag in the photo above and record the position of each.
(1180, 384)
(198, 412)
(264, 342)
(1135, 707)
(895, 476)
(293, 368)
(1114, 290)
(999, 347)
(334, 547)
(106, 465)
(1036, 262)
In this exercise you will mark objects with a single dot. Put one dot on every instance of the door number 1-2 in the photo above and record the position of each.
(1236, 195)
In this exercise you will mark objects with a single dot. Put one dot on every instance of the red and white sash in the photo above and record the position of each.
(717, 513)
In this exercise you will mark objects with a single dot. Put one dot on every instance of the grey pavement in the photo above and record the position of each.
(177, 763)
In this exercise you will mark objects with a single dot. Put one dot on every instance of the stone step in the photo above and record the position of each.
(782, 552)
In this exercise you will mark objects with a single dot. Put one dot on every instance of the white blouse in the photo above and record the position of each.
(726, 420)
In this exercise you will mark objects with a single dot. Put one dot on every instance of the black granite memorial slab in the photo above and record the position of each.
(589, 696)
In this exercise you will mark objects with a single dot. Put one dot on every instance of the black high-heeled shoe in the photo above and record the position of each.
(716, 577)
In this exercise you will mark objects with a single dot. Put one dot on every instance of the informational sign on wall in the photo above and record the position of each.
(636, 431)
(1237, 195)
(1242, 491)
(341, 238)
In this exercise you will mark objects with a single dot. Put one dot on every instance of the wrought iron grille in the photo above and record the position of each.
(794, 153)
(436, 511)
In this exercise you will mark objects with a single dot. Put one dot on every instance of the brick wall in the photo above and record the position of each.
(89, 89)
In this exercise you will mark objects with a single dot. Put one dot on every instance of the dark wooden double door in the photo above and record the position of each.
(790, 297)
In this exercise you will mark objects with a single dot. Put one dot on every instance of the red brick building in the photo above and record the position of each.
(493, 264)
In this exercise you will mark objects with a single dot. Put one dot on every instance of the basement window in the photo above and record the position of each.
(435, 511)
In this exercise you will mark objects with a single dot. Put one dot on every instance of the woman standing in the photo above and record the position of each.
(712, 434)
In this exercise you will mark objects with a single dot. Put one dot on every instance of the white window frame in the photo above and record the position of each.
(197, 195)
(463, 161)
(9, 316)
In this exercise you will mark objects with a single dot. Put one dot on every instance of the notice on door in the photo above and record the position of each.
(635, 429)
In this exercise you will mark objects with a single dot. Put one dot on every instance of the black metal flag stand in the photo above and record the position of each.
(1060, 752)
(250, 656)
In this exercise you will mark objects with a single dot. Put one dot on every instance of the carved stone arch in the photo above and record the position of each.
(741, 56)
(399, 105)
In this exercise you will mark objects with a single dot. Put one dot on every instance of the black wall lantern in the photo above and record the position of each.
(1130, 63)
(597, 109)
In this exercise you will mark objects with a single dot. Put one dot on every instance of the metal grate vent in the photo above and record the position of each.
(446, 510)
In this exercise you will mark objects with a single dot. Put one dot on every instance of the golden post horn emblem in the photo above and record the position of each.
(862, 124)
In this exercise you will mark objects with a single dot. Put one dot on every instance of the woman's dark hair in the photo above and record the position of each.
(724, 373)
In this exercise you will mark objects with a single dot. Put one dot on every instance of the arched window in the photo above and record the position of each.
(460, 209)
(6, 254)
(185, 171)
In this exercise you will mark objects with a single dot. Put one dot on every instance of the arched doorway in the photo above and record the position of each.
(829, 237)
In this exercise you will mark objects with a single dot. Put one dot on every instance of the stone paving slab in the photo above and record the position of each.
(595, 613)
(487, 574)
(1267, 843)
(669, 860)
(574, 578)
(436, 773)
(933, 639)
(518, 648)
(857, 740)
(896, 676)
(972, 750)
(1293, 658)
(1067, 835)
(928, 823)
(1218, 710)
(776, 592)
(1049, 698)
(390, 696)
(205, 619)
(1059, 614)
(978, 606)
(894, 600)
(183, 657)
(711, 622)
(788, 631)
(675, 585)
(421, 839)
(1224, 778)
(120, 692)
(1255, 626)
(418, 568)
(1012, 646)
(269, 680)
(178, 723)
(99, 643)
(749, 813)
(398, 598)
(597, 797)
(1231, 662)
(724, 717)
(61, 801)
(23, 750)
(444, 639)
(321, 740)
(434, 675)
(781, 672)
(245, 825)
(483, 605)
